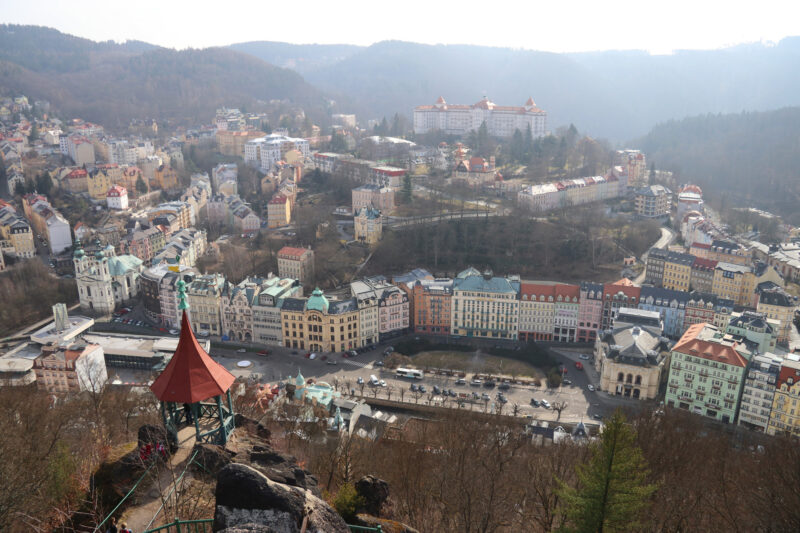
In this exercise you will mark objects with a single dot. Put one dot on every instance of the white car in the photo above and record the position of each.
(545, 404)
(584, 357)
(173, 332)
(382, 383)
(241, 350)
(591, 388)
(312, 356)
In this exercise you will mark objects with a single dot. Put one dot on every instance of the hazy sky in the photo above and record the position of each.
(659, 26)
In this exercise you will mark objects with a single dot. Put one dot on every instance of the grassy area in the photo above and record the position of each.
(480, 362)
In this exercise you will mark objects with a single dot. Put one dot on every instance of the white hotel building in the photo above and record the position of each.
(264, 152)
(461, 119)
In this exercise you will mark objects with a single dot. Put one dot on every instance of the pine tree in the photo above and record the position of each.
(141, 186)
(407, 190)
(612, 489)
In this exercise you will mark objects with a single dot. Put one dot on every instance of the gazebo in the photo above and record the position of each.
(192, 386)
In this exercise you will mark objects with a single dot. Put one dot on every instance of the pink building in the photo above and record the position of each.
(393, 310)
(380, 198)
(590, 311)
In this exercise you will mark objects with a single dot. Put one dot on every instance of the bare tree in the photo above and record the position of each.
(558, 407)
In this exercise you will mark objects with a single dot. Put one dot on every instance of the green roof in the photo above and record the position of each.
(317, 301)
(122, 264)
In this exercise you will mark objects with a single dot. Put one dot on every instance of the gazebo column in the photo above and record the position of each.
(221, 413)
(196, 414)
(230, 409)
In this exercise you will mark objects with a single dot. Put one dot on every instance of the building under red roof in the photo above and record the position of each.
(192, 375)
(292, 252)
(726, 353)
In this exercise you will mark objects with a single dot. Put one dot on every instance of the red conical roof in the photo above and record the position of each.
(191, 376)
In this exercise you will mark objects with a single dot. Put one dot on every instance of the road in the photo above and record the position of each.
(281, 362)
(667, 236)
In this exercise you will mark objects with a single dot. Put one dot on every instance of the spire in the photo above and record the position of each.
(182, 303)
(79, 253)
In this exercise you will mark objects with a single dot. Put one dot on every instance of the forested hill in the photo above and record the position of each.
(612, 94)
(112, 83)
(748, 159)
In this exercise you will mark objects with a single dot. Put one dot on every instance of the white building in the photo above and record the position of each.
(267, 308)
(501, 121)
(117, 197)
(266, 151)
(759, 391)
(105, 279)
(225, 173)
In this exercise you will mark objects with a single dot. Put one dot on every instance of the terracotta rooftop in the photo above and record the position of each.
(691, 344)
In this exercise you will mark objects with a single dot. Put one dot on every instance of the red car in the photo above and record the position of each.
(308, 355)
(579, 365)
(263, 352)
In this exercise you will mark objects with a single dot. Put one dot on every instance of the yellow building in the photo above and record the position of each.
(368, 225)
(99, 182)
(279, 211)
(677, 271)
(204, 295)
(17, 232)
(166, 177)
(785, 414)
(319, 325)
(734, 282)
(778, 305)
(232, 142)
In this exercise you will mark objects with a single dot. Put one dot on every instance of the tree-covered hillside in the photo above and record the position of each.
(748, 159)
(111, 84)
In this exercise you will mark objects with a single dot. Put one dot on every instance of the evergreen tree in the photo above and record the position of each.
(34, 135)
(44, 184)
(612, 489)
(407, 189)
(528, 142)
(338, 143)
(483, 140)
(652, 172)
(141, 186)
(518, 147)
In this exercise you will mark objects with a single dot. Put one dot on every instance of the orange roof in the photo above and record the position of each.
(278, 199)
(292, 251)
(547, 288)
(191, 376)
(712, 351)
(568, 291)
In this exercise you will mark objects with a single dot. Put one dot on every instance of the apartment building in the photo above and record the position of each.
(778, 305)
(267, 328)
(759, 391)
(784, 416)
(279, 211)
(677, 271)
(76, 367)
(484, 306)
(622, 293)
(653, 201)
(296, 263)
(431, 306)
(320, 325)
(707, 372)
(590, 311)
(204, 295)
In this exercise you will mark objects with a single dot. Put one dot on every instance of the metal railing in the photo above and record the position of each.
(365, 528)
(205, 526)
(185, 526)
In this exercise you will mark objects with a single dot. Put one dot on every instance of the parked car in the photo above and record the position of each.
(332, 362)
(379, 363)
(422, 388)
(241, 350)
(312, 356)
(353, 353)
(584, 357)
(263, 352)
(173, 332)
(591, 388)
(504, 386)
(535, 402)
(567, 382)
(461, 381)
(436, 390)
(579, 365)
(485, 397)
(476, 382)
(308, 354)
(382, 383)
(414, 387)
(489, 384)
(545, 404)
(451, 393)
(475, 396)
(360, 380)
(502, 398)
(324, 357)
(597, 417)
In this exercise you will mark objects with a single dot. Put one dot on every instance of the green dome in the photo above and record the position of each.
(317, 301)
(79, 253)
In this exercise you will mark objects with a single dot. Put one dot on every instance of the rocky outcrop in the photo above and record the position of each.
(374, 492)
(248, 501)
(250, 447)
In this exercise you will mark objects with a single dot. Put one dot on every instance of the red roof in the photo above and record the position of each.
(191, 376)
(296, 253)
(713, 351)
(279, 199)
(708, 264)
(701, 246)
(568, 291)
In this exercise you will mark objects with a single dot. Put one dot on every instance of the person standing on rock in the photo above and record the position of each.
(112, 526)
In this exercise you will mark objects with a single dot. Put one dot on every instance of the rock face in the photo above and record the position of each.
(248, 501)
(375, 491)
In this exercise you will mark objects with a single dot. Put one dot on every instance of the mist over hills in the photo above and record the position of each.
(615, 94)
(112, 83)
(749, 159)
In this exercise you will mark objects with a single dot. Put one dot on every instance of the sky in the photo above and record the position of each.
(657, 26)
